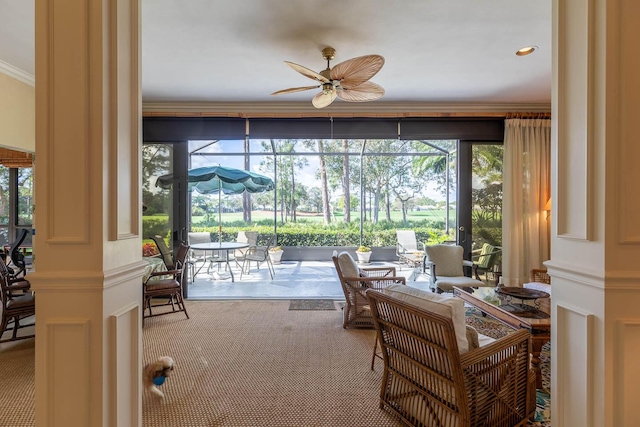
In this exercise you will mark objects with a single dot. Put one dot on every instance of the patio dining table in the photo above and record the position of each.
(223, 248)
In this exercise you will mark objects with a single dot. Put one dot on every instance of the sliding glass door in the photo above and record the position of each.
(480, 197)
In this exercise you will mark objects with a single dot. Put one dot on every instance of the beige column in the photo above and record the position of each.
(87, 243)
(595, 247)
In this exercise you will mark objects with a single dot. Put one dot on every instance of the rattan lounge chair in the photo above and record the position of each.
(355, 281)
(428, 382)
(540, 280)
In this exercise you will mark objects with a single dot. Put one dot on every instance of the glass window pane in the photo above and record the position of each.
(487, 195)
(25, 197)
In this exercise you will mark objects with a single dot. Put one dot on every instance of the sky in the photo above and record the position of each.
(306, 176)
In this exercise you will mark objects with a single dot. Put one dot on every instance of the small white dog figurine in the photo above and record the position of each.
(154, 374)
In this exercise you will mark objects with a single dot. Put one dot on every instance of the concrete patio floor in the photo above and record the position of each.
(292, 280)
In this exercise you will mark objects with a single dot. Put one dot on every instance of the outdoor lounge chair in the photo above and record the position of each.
(409, 251)
(430, 380)
(165, 252)
(484, 259)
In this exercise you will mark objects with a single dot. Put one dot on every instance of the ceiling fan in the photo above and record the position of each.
(348, 80)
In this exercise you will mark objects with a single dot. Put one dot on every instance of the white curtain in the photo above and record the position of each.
(526, 190)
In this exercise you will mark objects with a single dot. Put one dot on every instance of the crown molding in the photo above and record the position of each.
(305, 109)
(17, 73)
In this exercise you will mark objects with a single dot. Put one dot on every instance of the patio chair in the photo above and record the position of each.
(446, 268)
(355, 281)
(428, 380)
(484, 259)
(199, 256)
(166, 284)
(18, 303)
(259, 255)
(250, 237)
(408, 250)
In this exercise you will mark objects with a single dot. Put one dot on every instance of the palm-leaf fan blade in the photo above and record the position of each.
(324, 98)
(307, 72)
(294, 89)
(367, 91)
(354, 72)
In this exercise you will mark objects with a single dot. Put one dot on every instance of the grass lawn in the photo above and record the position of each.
(396, 216)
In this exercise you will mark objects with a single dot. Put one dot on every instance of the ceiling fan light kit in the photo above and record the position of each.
(348, 80)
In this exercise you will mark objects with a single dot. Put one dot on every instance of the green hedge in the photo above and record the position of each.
(155, 226)
(324, 237)
(308, 235)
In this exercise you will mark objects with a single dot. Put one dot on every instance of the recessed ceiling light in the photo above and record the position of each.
(526, 50)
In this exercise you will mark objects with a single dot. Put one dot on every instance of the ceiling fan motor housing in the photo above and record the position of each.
(328, 53)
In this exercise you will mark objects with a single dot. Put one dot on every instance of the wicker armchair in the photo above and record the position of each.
(355, 281)
(427, 382)
(540, 281)
(540, 275)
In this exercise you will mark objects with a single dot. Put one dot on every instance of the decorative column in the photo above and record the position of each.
(88, 246)
(595, 247)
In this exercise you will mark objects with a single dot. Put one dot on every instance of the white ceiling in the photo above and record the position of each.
(436, 51)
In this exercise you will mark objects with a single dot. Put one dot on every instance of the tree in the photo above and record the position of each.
(405, 187)
(155, 162)
(246, 196)
(315, 199)
(264, 200)
(326, 209)
(433, 166)
(379, 170)
(345, 182)
(286, 164)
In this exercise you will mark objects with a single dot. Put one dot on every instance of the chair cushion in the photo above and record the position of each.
(477, 340)
(447, 283)
(444, 305)
(21, 301)
(447, 259)
(348, 265)
(485, 340)
(162, 284)
(538, 286)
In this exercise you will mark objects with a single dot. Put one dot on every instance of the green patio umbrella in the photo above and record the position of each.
(212, 179)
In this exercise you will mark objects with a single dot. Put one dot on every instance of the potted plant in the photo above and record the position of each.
(275, 253)
(363, 253)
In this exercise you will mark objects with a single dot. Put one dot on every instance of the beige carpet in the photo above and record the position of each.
(256, 363)
(240, 363)
(17, 393)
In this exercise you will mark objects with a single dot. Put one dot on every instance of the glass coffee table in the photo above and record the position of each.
(518, 308)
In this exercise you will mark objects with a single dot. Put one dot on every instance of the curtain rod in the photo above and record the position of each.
(523, 115)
